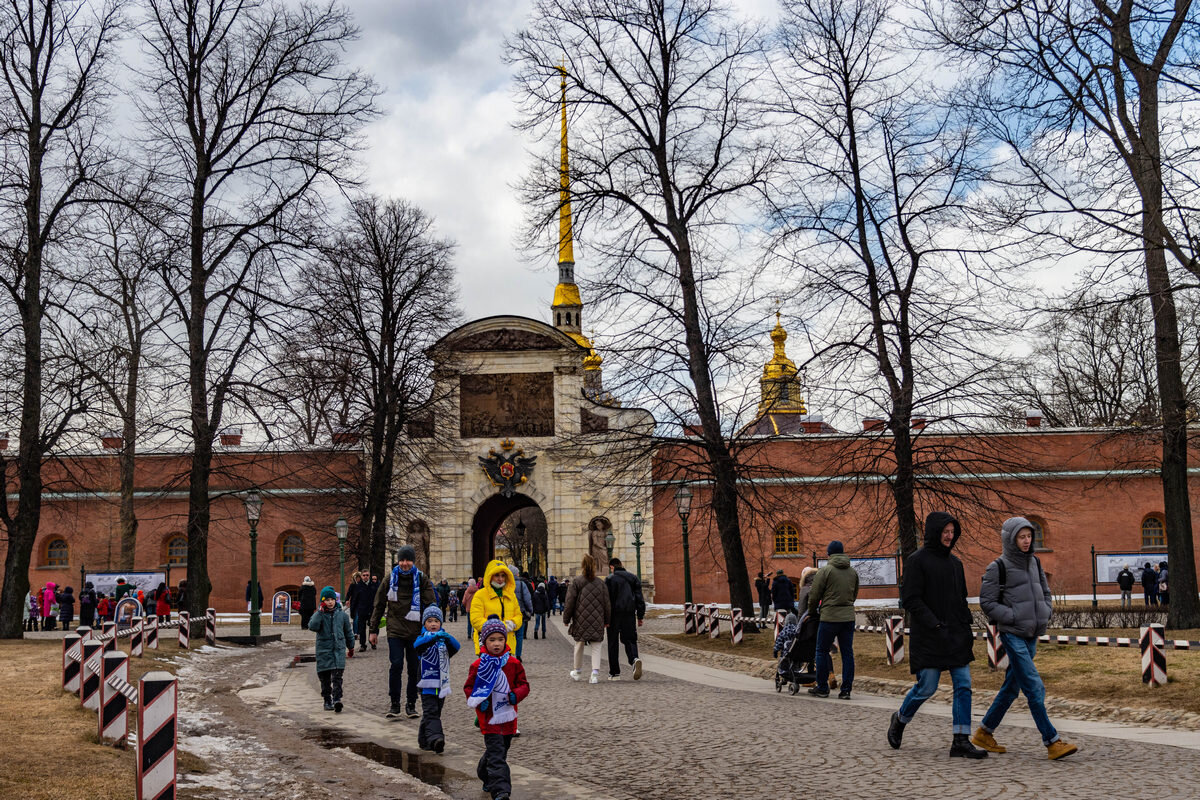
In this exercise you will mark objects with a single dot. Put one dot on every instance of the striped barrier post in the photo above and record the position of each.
(894, 627)
(780, 616)
(108, 628)
(735, 625)
(84, 632)
(114, 705)
(997, 655)
(158, 705)
(714, 622)
(137, 638)
(151, 629)
(89, 675)
(701, 620)
(689, 618)
(70, 662)
(1154, 659)
(185, 624)
(210, 627)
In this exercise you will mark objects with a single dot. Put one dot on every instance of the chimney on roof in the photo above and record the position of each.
(3, 440)
(112, 440)
(231, 436)
(1033, 418)
(873, 424)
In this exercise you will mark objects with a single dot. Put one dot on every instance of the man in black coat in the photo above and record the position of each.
(782, 595)
(552, 594)
(934, 594)
(764, 593)
(628, 610)
(1125, 582)
(1150, 584)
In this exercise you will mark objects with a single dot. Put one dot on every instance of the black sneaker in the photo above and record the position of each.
(410, 711)
(817, 691)
(337, 706)
(438, 746)
(844, 694)
(329, 705)
(895, 733)
(395, 710)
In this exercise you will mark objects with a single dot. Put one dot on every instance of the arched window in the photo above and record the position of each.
(291, 548)
(787, 540)
(177, 550)
(57, 553)
(1039, 533)
(1154, 533)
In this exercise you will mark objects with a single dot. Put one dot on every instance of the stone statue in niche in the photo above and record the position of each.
(598, 528)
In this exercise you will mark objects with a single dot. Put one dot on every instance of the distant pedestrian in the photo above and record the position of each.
(87, 605)
(361, 601)
(1015, 596)
(1164, 594)
(1125, 583)
(249, 604)
(31, 613)
(443, 593)
(468, 597)
(782, 593)
(586, 613)
(123, 588)
(552, 594)
(763, 587)
(162, 603)
(452, 606)
(183, 598)
(403, 596)
(495, 685)
(627, 610)
(335, 643)
(525, 601)
(66, 608)
(308, 601)
(1150, 584)
(103, 607)
(49, 606)
(435, 647)
(934, 594)
(541, 607)
(834, 590)
(562, 595)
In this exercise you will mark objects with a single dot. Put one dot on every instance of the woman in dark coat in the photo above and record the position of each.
(66, 607)
(87, 605)
(586, 614)
(308, 601)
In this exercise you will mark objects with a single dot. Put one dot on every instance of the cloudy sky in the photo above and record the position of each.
(446, 139)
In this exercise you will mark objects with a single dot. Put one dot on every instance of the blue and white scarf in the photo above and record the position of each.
(414, 606)
(435, 668)
(490, 681)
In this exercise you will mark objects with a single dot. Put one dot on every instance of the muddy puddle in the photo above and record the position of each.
(425, 768)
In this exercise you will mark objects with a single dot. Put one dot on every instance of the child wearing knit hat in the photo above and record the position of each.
(335, 641)
(434, 647)
(494, 687)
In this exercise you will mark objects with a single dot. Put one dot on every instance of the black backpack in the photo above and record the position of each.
(999, 562)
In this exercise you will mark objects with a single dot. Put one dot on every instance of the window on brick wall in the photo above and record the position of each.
(1154, 532)
(57, 553)
(177, 550)
(291, 549)
(787, 539)
(1039, 532)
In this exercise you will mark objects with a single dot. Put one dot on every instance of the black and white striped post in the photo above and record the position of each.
(150, 627)
(158, 707)
(185, 625)
(210, 627)
(894, 639)
(107, 628)
(997, 655)
(89, 674)
(701, 620)
(1154, 658)
(114, 705)
(735, 625)
(84, 632)
(714, 622)
(689, 618)
(136, 638)
(70, 663)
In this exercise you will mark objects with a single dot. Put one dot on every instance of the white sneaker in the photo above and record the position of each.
(595, 678)
(637, 669)
(614, 677)
(575, 675)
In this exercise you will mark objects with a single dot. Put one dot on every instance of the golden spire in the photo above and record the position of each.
(566, 249)
(781, 389)
(567, 308)
(780, 366)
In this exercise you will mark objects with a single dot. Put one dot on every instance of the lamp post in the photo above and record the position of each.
(520, 533)
(253, 503)
(683, 504)
(342, 529)
(635, 528)
(609, 541)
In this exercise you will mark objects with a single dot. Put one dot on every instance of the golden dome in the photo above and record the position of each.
(780, 366)
(566, 294)
(592, 360)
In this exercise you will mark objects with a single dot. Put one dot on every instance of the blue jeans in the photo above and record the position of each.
(927, 684)
(844, 633)
(521, 637)
(539, 624)
(1022, 676)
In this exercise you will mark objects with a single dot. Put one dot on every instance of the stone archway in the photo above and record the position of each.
(491, 512)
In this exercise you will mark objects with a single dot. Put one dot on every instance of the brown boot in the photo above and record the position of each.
(1060, 749)
(982, 738)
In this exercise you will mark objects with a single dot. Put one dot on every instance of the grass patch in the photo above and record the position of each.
(53, 750)
(1107, 675)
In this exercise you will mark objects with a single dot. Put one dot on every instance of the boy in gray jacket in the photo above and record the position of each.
(1016, 598)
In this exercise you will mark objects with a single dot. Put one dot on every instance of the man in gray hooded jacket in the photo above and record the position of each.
(1016, 598)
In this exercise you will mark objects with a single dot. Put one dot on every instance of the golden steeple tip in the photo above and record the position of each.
(780, 366)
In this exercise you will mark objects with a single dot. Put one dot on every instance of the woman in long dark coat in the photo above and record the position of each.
(308, 601)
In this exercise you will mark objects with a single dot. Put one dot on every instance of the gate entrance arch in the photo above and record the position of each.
(486, 523)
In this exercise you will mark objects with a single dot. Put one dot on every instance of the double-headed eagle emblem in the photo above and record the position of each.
(509, 469)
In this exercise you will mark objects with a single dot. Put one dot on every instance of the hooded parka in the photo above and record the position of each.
(335, 636)
(504, 605)
(1025, 608)
(834, 590)
(934, 594)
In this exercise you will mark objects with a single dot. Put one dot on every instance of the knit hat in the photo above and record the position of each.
(328, 592)
(407, 553)
(835, 547)
(493, 625)
(308, 581)
(432, 611)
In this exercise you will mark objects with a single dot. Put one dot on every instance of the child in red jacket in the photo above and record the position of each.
(495, 685)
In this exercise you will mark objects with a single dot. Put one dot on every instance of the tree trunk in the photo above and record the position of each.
(199, 503)
(127, 460)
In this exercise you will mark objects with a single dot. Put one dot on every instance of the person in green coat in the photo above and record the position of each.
(335, 642)
(834, 590)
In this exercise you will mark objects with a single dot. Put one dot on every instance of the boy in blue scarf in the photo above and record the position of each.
(494, 687)
(435, 648)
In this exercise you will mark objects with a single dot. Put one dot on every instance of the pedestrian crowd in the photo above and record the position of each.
(51, 607)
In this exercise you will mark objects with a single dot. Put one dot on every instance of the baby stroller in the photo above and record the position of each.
(798, 666)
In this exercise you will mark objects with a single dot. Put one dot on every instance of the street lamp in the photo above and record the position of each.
(683, 504)
(253, 503)
(609, 541)
(635, 528)
(342, 528)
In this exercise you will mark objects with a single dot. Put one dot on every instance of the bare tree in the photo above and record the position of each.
(250, 115)
(53, 59)
(1093, 98)
(665, 146)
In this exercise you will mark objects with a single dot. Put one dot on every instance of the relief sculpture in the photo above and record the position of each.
(506, 404)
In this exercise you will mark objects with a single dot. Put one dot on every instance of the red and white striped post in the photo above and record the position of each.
(714, 622)
(70, 662)
(1152, 639)
(997, 655)
(158, 707)
(89, 674)
(84, 632)
(894, 639)
(210, 627)
(780, 616)
(185, 622)
(735, 625)
(107, 628)
(114, 705)
(151, 629)
(136, 639)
